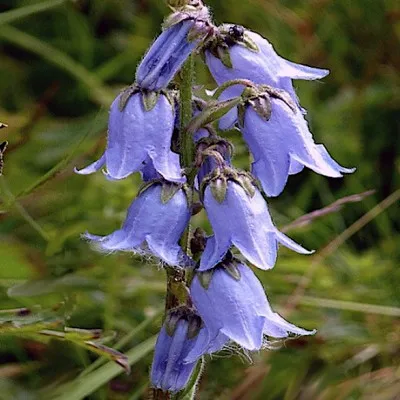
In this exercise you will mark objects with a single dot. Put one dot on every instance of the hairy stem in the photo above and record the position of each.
(186, 113)
(187, 146)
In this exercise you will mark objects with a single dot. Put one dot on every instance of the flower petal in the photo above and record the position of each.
(153, 222)
(166, 56)
(94, 167)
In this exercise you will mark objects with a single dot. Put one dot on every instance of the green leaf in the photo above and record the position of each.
(95, 126)
(98, 93)
(45, 286)
(81, 387)
(22, 12)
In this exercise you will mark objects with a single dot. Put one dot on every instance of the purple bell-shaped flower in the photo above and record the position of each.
(251, 56)
(231, 302)
(239, 217)
(137, 133)
(152, 226)
(182, 334)
(171, 49)
(283, 145)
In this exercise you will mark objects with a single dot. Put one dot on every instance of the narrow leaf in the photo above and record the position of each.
(22, 12)
(79, 388)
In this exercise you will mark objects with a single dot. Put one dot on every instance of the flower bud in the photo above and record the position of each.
(184, 31)
(183, 336)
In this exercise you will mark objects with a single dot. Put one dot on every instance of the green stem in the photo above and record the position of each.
(177, 276)
(186, 113)
(233, 82)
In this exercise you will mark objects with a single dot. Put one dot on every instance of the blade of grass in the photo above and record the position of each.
(350, 306)
(81, 387)
(11, 200)
(124, 341)
(97, 92)
(63, 163)
(22, 12)
(305, 280)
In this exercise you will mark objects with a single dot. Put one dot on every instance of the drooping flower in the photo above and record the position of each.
(239, 217)
(231, 301)
(250, 56)
(171, 49)
(154, 224)
(138, 132)
(182, 334)
(283, 145)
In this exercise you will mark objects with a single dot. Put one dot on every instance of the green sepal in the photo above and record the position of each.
(150, 99)
(171, 95)
(148, 184)
(168, 191)
(232, 269)
(195, 324)
(125, 96)
(195, 34)
(248, 186)
(174, 19)
(224, 55)
(218, 189)
(205, 278)
(250, 43)
(262, 106)
(171, 322)
(241, 114)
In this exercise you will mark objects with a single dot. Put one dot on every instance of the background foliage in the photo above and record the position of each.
(61, 63)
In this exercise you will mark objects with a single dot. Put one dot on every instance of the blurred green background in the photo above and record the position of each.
(61, 64)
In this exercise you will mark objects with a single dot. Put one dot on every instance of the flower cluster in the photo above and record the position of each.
(224, 301)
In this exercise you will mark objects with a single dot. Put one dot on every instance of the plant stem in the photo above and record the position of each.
(233, 82)
(187, 146)
(186, 113)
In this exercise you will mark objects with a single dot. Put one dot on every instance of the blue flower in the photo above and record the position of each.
(243, 221)
(182, 335)
(166, 56)
(148, 172)
(136, 135)
(283, 145)
(152, 226)
(260, 64)
(231, 301)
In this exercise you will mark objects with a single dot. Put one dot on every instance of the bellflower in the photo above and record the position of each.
(252, 57)
(242, 220)
(283, 145)
(152, 226)
(171, 49)
(137, 134)
(180, 336)
(231, 301)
